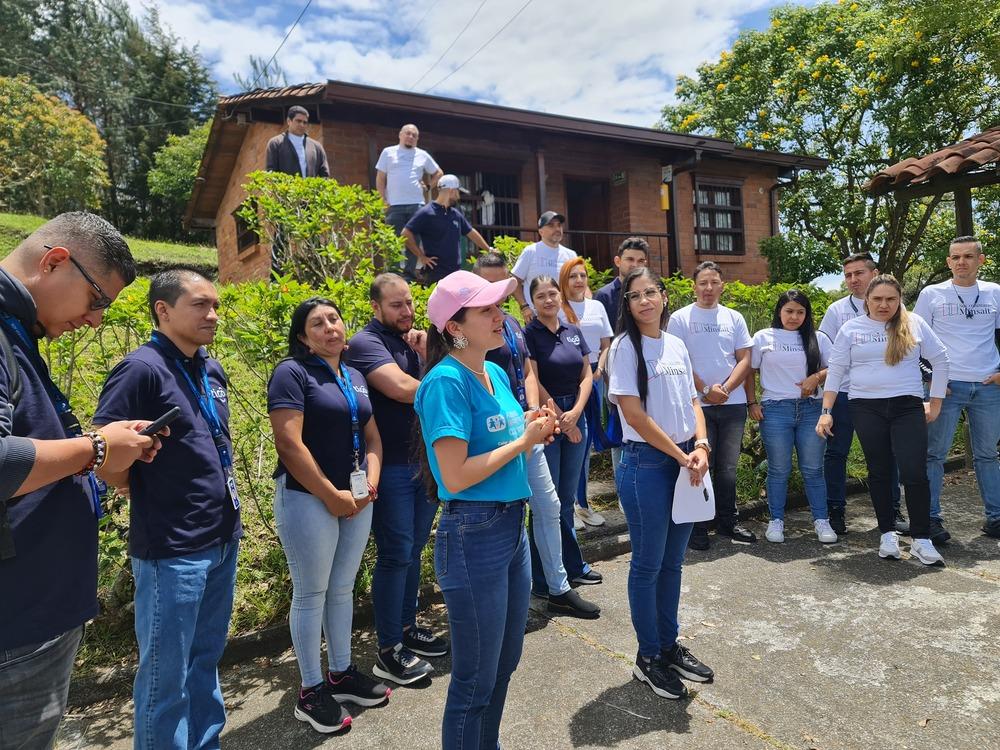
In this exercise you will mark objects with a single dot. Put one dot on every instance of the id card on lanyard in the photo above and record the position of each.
(359, 477)
(515, 358)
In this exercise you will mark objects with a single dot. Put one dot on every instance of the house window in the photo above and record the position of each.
(245, 236)
(493, 203)
(718, 218)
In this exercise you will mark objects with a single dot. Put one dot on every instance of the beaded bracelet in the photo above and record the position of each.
(100, 445)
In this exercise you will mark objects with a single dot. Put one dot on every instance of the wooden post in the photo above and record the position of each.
(543, 200)
(963, 212)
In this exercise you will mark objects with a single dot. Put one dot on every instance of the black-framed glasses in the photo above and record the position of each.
(103, 302)
(649, 293)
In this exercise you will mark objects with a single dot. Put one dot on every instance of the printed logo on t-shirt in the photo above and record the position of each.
(656, 368)
(496, 423)
(860, 339)
(953, 310)
(726, 328)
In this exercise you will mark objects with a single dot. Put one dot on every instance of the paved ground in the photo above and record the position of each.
(814, 647)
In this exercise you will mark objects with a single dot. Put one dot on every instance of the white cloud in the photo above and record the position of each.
(615, 61)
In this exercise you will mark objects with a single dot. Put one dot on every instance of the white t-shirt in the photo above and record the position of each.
(860, 350)
(712, 338)
(972, 350)
(781, 359)
(404, 169)
(592, 320)
(671, 384)
(844, 309)
(540, 260)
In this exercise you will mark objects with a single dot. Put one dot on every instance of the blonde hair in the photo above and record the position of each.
(901, 341)
(564, 273)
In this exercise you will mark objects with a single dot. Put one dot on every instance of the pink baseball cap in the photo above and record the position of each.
(464, 289)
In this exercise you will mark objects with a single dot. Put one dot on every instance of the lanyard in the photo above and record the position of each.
(515, 358)
(854, 307)
(965, 308)
(71, 425)
(344, 381)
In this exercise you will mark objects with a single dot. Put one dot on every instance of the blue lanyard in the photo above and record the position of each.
(515, 358)
(71, 425)
(344, 381)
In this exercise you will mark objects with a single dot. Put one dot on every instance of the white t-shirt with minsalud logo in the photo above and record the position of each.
(540, 260)
(781, 359)
(712, 337)
(965, 319)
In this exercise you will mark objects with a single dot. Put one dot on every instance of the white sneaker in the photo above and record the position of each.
(824, 532)
(775, 531)
(589, 517)
(578, 523)
(923, 550)
(889, 546)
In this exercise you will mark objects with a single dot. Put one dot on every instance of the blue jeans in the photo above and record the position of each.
(982, 404)
(791, 423)
(401, 520)
(481, 560)
(34, 684)
(545, 526)
(645, 482)
(593, 416)
(725, 425)
(838, 446)
(396, 217)
(323, 553)
(182, 609)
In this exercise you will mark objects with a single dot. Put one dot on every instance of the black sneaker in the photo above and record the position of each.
(938, 533)
(321, 710)
(680, 660)
(902, 525)
(737, 532)
(354, 687)
(699, 539)
(590, 578)
(401, 666)
(661, 680)
(992, 528)
(837, 521)
(574, 605)
(424, 642)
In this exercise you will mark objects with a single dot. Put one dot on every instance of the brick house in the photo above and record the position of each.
(693, 198)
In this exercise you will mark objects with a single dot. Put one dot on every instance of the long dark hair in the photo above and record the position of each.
(296, 349)
(806, 331)
(628, 327)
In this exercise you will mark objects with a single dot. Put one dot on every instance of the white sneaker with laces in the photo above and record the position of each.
(775, 531)
(578, 523)
(589, 517)
(923, 550)
(889, 546)
(824, 532)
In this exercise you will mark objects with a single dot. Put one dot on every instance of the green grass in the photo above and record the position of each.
(150, 255)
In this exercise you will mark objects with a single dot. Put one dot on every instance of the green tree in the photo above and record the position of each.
(175, 166)
(863, 84)
(51, 156)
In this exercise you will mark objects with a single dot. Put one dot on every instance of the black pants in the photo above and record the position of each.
(889, 427)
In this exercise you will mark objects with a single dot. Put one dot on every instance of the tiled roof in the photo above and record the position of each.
(966, 156)
(301, 90)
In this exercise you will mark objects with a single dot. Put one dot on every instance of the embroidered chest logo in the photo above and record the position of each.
(574, 340)
(219, 394)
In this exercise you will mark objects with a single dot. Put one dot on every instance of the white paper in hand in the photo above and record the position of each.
(693, 504)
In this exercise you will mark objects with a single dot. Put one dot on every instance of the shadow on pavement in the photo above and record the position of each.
(626, 712)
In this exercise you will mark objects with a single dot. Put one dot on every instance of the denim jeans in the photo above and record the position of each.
(401, 519)
(396, 217)
(725, 424)
(545, 526)
(34, 684)
(182, 609)
(982, 404)
(791, 423)
(323, 553)
(645, 482)
(838, 446)
(593, 415)
(894, 430)
(481, 560)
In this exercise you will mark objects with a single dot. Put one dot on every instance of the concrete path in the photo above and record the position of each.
(813, 647)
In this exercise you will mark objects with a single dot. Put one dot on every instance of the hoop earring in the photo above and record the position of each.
(459, 342)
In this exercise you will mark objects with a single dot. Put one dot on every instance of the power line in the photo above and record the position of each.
(481, 48)
(448, 48)
(290, 30)
(427, 12)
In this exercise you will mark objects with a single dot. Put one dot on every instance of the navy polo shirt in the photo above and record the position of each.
(610, 296)
(439, 230)
(50, 586)
(179, 502)
(559, 356)
(502, 355)
(306, 385)
(370, 348)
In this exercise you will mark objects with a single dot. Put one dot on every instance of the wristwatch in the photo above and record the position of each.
(703, 443)
(824, 412)
(706, 390)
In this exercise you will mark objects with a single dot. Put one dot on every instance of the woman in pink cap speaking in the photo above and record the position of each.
(476, 437)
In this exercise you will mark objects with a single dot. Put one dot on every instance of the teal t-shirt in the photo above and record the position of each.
(451, 402)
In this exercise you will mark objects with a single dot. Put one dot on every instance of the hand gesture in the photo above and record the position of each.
(428, 261)
(342, 504)
(697, 465)
(716, 395)
(824, 427)
(540, 425)
(808, 386)
(417, 340)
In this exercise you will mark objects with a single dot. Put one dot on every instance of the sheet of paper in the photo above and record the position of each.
(692, 504)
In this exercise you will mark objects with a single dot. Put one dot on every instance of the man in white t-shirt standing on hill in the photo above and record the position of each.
(965, 312)
(719, 344)
(402, 173)
(859, 270)
(542, 258)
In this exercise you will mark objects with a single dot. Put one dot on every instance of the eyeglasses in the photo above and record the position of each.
(649, 293)
(103, 302)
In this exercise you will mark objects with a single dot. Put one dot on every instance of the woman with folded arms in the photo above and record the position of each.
(880, 352)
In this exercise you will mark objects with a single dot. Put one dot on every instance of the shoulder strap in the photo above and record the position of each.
(13, 369)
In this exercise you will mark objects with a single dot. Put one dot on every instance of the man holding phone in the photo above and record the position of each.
(185, 515)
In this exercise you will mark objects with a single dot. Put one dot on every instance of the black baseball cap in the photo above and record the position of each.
(550, 216)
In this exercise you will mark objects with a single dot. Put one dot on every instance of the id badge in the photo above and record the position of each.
(234, 494)
(359, 484)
